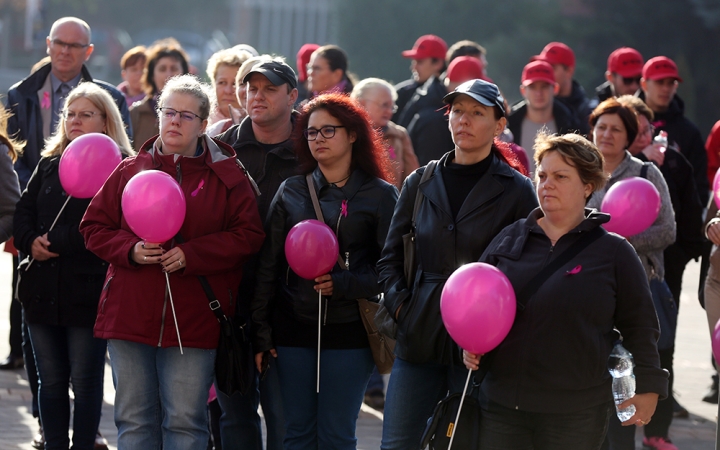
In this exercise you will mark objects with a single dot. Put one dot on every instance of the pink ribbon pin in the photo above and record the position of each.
(391, 150)
(574, 270)
(200, 186)
(45, 104)
(343, 208)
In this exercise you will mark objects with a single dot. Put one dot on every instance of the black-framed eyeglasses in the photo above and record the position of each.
(627, 81)
(170, 113)
(81, 115)
(72, 46)
(327, 132)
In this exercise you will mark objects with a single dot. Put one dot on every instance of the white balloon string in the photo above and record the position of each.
(318, 350)
(172, 307)
(53, 224)
(462, 400)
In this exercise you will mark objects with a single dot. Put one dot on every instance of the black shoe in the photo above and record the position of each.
(100, 442)
(12, 363)
(38, 441)
(679, 411)
(712, 393)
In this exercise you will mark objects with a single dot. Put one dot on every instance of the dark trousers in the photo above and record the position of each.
(30, 367)
(661, 420)
(504, 428)
(16, 321)
(675, 261)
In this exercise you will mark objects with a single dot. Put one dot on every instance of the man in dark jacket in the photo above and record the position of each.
(570, 93)
(624, 69)
(36, 101)
(540, 110)
(262, 143)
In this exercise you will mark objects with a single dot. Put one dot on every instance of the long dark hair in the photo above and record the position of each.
(166, 48)
(368, 150)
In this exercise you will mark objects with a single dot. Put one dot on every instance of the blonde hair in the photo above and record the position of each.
(56, 144)
(228, 57)
(14, 147)
(363, 86)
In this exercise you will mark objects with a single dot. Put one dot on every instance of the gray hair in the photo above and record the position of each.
(191, 85)
(367, 84)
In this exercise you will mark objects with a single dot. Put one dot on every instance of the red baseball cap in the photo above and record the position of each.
(428, 46)
(537, 71)
(303, 58)
(659, 68)
(626, 62)
(464, 68)
(556, 53)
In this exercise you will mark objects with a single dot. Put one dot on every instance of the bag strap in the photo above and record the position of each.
(212, 300)
(644, 170)
(318, 211)
(429, 169)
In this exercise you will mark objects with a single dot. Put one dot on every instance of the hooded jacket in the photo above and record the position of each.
(443, 244)
(222, 229)
(554, 359)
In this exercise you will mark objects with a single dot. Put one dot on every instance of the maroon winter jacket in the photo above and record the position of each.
(222, 229)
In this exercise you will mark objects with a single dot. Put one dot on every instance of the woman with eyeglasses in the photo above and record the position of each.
(61, 289)
(161, 393)
(342, 159)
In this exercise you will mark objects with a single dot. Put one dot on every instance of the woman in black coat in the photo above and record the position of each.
(61, 289)
(473, 193)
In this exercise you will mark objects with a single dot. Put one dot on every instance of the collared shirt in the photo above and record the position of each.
(60, 92)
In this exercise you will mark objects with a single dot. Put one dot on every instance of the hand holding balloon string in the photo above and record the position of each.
(324, 284)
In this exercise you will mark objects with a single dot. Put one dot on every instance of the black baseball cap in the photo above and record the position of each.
(276, 71)
(484, 92)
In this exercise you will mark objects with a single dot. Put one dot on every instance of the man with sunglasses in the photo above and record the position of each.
(624, 69)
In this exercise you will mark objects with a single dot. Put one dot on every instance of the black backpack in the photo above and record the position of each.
(440, 426)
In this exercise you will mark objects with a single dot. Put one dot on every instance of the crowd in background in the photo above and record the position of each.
(253, 151)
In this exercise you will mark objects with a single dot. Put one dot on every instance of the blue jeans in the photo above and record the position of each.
(240, 426)
(68, 356)
(161, 395)
(328, 419)
(413, 392)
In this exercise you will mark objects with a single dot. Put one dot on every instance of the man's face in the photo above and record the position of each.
(69, 47)
(539, 95)
(422, 69)
(268, 104)
(659, 93)
(624, 85)
(563, 74)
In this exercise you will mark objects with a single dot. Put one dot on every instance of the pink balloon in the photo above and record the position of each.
(716, 341)
(633, 204)
(311, 249)
(716, 188)
(478, 307)
(86, 164)
(153, 205)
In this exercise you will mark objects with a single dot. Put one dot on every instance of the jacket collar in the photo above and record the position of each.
(353, 185)
(246, 136)
(35, 82)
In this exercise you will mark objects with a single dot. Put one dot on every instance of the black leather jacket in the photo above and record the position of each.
(500, 197)
(361, 234)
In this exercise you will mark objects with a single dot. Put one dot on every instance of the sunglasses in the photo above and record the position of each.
(627, 81)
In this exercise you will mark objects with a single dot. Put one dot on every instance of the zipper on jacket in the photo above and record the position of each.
(287, 276)
(325, 315)
(162, 324)
(347, 260)
(105, 288)
(178, 173)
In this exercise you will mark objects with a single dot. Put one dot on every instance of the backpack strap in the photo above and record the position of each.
(644, 170)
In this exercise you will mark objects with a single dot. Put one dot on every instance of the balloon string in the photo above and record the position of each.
(457, 418)
(53, 224)
(172, 307)
(319, 325)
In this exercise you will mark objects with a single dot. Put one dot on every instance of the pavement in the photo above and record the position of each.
(692, 378)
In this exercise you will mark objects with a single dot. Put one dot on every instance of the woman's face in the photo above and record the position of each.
(329, 151)
(225, 88)
(610, 135)
(644, 136)
(473, 125)
(379, 104)
(320, 76)
(180, 126)
(165, 68)
(559, 187)
(82, 117)
(133, 75)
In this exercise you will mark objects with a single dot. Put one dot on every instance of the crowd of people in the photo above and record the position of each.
(441, 156)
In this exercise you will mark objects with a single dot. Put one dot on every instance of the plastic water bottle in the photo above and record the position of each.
(620, 365)
(661, 141)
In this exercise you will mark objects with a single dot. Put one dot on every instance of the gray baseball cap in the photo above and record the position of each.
(480, 90)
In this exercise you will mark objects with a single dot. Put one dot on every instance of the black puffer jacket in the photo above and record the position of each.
(500, 197)
(64, 290)
(361, 234)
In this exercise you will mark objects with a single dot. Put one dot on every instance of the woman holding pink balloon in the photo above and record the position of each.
(345, 164)
(162, 334)
(475, 190)
(615, 128)
(547, 384)
(61, 289)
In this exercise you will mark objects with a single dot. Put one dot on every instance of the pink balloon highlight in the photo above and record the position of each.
(153, 205)
(716, 188)
(478, 307)
(86, 164)
(311, 249)
(633, 205)
(716, 341)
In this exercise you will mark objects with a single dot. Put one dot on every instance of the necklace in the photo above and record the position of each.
(339, 181)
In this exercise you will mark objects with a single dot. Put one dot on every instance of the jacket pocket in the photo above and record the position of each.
(105, 294)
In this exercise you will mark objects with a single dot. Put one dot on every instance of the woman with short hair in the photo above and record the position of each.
(222, 68)
(327, 71)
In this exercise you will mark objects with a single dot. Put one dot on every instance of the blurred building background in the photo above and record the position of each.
(374, 32)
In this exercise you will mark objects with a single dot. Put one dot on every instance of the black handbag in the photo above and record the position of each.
(440, 427)
(667, 313)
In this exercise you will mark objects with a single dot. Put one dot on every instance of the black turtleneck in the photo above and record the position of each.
(459, 180)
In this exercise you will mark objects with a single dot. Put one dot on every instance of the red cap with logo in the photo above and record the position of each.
(464, 68)
(556, 53)
(659, 68)
(626, 62)
(537, 71)
(428, 46)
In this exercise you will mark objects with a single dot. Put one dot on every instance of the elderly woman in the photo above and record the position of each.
(378, 98)
(547, 385)
(164, 59)
(222, 69)
(472, 194)
(343, 161)
(61, 289)
(327, 71)
(614, 129)
(161, 393)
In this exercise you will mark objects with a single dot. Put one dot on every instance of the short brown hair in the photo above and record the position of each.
(464, 48)
(638, 105)
(577, 152)
(627, 115)
(133, 56)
